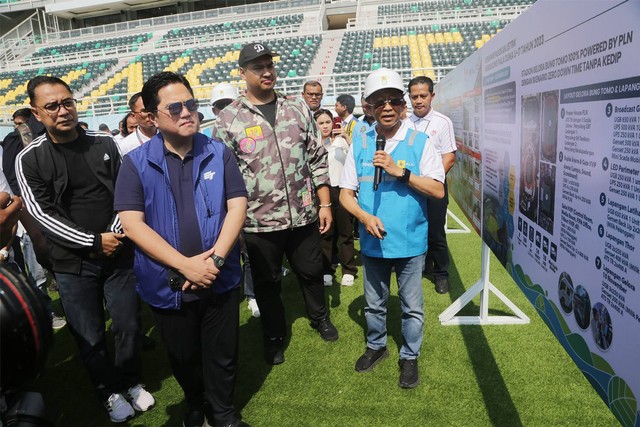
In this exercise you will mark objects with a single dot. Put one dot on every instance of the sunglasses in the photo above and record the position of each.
(54, 107)
(175, 108)
(394, 102)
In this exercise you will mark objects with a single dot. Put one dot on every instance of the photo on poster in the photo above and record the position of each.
(529, 156)
(549, 126)
(494, 230)
(582, 307)
(565, 292)
(547, 196)
(601, 326)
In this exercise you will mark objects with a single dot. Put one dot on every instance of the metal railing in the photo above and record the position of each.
(231, 13)
(349, 83)
(435, 17)
(17, 40)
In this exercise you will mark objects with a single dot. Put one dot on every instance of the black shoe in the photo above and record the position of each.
(274, 351)
(194, 418)
(442, 285)
(327, 331)
(408, 373)
(371, 358)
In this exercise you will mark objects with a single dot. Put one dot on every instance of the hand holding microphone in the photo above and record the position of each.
(381, 140)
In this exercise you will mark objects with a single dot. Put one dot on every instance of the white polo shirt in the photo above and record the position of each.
(439, 128)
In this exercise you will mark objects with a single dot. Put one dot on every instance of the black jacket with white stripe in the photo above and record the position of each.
(42, 174)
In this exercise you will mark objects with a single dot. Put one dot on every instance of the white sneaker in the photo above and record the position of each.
(328, 280)
(347, 280)
(252, 304)
(57, 322)
(119, 409)
(139, 398)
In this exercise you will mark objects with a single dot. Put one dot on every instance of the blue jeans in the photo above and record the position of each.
(35, 273)
(83, 298)
(377, 280)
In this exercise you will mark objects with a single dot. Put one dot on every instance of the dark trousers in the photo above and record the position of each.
(302, 247)
(438, 251)
(83, 298)
(202, 341)
(342, 226)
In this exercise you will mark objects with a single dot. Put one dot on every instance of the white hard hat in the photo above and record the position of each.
(223, 91)
(382, 78)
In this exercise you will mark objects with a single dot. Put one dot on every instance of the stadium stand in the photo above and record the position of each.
(105, 64)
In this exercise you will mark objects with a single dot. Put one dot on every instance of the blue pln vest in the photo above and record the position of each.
(402, 210)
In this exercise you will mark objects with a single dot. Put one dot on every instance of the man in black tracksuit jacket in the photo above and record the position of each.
(67, 178)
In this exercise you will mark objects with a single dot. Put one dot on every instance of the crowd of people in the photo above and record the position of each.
(180, 221)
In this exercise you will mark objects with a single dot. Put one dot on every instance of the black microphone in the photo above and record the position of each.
(381, 140)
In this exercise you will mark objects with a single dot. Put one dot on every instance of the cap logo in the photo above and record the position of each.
(258, 48)
(383, 80)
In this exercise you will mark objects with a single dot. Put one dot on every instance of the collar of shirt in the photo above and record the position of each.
(399, 136)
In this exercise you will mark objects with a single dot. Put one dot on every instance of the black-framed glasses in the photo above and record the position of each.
(175, 108)
(314, 95)
(54, 107)
(142, 112)
(394, 102)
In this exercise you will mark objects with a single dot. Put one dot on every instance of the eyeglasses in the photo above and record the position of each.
(175, 108)
(54, 107)
(142, 112)
(314, 95)
(394, 102)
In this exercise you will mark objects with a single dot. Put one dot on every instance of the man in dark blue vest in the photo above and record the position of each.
(182, 201)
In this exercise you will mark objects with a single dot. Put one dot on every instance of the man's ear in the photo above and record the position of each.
(152, 116)
(242, 74)
(36, 113)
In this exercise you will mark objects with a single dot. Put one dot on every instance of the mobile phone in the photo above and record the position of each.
(337, 123)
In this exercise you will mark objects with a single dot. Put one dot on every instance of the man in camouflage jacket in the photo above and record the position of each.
(284, 166)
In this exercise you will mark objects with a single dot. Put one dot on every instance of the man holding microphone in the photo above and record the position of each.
(394, 181)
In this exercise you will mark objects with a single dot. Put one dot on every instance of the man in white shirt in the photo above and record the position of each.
(345, 104)
(145, 130)
(440, 131)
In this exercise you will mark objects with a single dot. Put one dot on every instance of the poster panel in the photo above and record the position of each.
(560, 150)
(461, 97)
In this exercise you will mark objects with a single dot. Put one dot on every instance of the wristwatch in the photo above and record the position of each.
(4, 253)
(218, 261)
(406, 173)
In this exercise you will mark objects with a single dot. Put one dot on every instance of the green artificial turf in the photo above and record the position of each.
(470, 375)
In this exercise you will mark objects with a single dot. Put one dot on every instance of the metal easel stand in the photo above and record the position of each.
(484, 288)
(462, 227)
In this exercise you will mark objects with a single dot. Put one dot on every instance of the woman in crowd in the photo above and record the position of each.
(335, 141)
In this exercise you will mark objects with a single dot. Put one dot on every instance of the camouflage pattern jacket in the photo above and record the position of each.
(282, 166)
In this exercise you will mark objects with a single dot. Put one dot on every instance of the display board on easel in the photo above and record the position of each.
(547, 120)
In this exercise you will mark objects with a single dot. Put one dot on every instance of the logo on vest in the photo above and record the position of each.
(106, 157)
(208, 175)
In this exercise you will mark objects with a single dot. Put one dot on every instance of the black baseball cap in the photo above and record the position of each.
(252, 51)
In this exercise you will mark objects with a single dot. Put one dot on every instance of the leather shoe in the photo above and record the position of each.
(442, 285)
(371, 358)
(274, 351)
